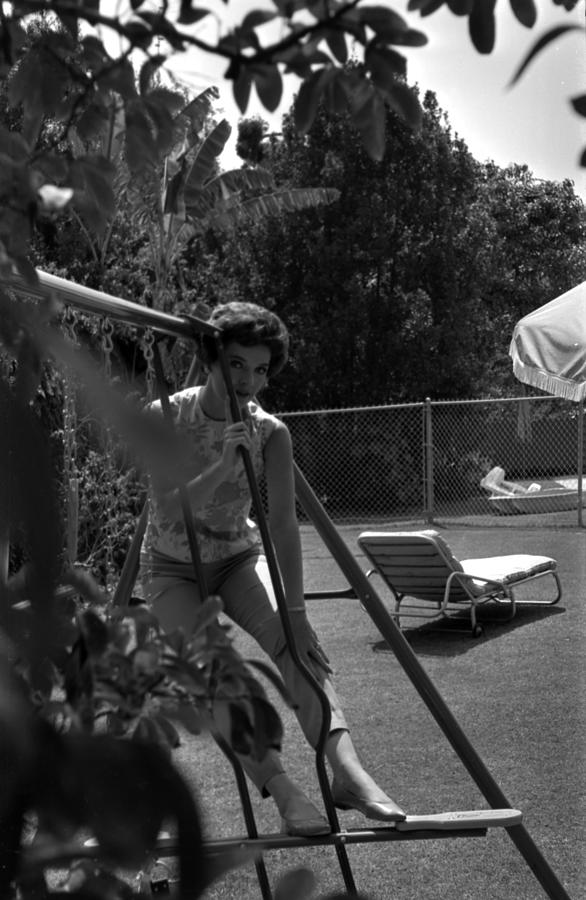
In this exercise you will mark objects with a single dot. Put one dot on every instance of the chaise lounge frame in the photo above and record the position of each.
(420, 565)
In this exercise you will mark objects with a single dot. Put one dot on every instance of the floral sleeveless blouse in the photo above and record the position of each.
(222, 525)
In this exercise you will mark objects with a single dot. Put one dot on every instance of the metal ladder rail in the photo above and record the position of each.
(273, 566)
(241, 783)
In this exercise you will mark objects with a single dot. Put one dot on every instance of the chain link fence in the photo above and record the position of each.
(426, 461)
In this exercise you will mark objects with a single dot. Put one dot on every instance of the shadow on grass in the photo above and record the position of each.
(453, 636)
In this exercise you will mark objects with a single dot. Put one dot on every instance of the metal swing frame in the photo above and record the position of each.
(361, 588)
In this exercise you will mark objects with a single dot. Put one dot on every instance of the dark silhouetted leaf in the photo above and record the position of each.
(269, 85)
(241, 88)
(92, 122)
(148, 71)
(307, 100)
(120, 78)
(543, 41)
(336, 41)
(411, 38)
(189, 14)
(139, 33)
(579, 104)
(425, 7)
(300, 59)
(352, 23)
(387, 24)
(122, 792)
(482, 26)
(461, 7)
(370, 119)
(337, 92)
(525, 11)
(384, 64)
(255, 18)
(94, 54)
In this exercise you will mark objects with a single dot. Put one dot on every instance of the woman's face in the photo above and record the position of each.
(249, 369)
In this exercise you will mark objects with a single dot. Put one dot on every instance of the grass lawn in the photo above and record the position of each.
(518, 693)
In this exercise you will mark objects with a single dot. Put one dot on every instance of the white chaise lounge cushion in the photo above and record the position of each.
(507, 569)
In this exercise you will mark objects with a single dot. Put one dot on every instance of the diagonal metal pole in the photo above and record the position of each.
(425, 687)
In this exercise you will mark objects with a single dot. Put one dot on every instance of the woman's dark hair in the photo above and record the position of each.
(249, 325)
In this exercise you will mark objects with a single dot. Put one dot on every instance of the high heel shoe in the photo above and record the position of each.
(299, 816)
(381, 810)
(305, 827)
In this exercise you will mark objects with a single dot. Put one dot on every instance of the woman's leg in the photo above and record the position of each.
(175, 602)
(249, 600)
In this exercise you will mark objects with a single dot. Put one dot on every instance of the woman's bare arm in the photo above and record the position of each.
(283, 522)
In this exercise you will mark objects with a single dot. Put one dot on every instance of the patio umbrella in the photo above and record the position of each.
(549, 346)
(548, 350)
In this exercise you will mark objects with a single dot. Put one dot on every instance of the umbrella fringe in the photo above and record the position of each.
(551, 384)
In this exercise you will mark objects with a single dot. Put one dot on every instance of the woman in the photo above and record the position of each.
(256, 346)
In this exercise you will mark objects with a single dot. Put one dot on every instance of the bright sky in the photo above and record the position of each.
(531, 123)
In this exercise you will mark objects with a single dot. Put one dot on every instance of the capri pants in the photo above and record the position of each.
(243, 582)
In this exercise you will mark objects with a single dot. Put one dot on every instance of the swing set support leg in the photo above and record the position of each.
(423, 684)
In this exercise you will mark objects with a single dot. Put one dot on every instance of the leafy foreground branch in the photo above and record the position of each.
(63, 782)
(91, 698)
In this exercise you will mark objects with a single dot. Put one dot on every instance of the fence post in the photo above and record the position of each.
(580, 466)
(428, 461)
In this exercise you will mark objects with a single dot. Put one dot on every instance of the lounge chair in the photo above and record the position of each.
(420, 565)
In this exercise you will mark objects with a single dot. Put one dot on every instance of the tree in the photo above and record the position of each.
(351, 278)
(412, 281)
(70, 77)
